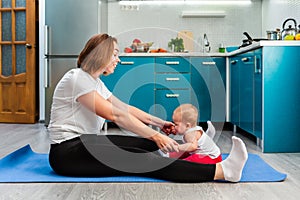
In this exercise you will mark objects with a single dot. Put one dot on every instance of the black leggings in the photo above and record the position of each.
(115, 155)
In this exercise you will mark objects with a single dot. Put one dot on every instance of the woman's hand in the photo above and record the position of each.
(165, 144)
(169, 128)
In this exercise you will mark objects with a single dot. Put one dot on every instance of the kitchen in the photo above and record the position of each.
(227, 30)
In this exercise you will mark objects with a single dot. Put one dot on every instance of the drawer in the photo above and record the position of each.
(172, 80)
(167, 100)
(172, 64)
(128, 61)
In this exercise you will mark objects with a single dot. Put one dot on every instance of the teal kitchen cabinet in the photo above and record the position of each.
(245, 92)
(271, 89)
(246, 77)
(133, 82)
(172, 85)
(208, 82)
(257, 99)
(281, 98)
(234, 90)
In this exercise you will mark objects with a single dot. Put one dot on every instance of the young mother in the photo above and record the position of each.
(82, 103)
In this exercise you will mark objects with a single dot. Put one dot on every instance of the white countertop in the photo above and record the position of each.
(253, 46)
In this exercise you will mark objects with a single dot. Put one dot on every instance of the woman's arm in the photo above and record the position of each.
(139, 114)
(104, 108)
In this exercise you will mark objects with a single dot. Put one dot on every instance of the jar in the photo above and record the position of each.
(221, 48)
(272, 35)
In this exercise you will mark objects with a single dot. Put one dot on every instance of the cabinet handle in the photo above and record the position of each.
(172, 79)
(245, 59)
(233, 62)
(127, 62)
(46, 75)
(172, 62)
(208, 63)
(172, 95)
(257, 65)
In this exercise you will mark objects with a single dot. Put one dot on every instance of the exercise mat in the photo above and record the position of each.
(24, 166)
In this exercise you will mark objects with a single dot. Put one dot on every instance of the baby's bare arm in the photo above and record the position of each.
(191, 141)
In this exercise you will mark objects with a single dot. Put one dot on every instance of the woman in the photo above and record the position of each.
(81, 103)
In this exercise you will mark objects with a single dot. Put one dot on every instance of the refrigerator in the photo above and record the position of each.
(68, 26)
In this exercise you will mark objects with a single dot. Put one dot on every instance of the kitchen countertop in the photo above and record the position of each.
(253, 46)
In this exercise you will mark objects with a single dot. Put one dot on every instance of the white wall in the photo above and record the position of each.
(275, 12)
(160, 23)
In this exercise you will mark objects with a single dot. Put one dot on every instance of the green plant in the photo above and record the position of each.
(178, 44)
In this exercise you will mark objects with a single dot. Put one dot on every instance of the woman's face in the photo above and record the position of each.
(110, 68)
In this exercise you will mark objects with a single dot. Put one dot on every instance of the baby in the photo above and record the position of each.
(197, 146)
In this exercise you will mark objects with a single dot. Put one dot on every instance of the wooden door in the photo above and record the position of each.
(17, 61)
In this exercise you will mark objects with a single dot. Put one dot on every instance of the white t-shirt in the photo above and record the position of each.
(70, 119)
(206, 146)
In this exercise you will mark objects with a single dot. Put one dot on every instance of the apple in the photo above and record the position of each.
(128, 50)
(297, 37)
(136, 41)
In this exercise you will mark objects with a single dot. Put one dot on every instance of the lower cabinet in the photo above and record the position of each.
(133, 82)
(166, 100)
(281, 97)
(245, 92)
(158, 85)
(264, 96)
(208, 83)
(172, 85)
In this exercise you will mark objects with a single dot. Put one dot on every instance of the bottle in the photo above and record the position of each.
(221, 48)
(278, 34)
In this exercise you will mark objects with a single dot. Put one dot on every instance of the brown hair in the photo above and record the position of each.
(188, 112)
(97, 53)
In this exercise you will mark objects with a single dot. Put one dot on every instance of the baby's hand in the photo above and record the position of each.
(169, 128)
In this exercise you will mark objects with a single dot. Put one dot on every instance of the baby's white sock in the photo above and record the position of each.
(233, 165)
(211, 131)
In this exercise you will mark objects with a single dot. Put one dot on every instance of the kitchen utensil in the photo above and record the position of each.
(250, 40)
(290, 31)
(272, 35)
(206, 44)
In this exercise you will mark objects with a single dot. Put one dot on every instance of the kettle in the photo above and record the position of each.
(290, 30)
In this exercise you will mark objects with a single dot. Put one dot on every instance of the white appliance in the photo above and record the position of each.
(68, 24)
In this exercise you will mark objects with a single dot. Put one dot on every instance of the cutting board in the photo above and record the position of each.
(188, 39)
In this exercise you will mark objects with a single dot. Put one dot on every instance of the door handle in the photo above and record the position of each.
(28, 46)
(46, 75)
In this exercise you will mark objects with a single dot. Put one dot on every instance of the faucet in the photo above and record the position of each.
(206, 46)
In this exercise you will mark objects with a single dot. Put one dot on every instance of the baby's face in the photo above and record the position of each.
(180, 127)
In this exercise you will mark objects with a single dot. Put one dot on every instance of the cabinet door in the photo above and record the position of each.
(172, 64)
(281, 96)
(258, 94)
(234, 91)
(172, 84)
(246, 92)
(168, 99)
(133, 82)
(172, 80)
(208, 94)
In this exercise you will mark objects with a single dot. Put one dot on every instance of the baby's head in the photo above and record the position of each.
(185, 116)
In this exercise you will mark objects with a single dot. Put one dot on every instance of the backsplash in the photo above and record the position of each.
(160, 23)
(275, 12)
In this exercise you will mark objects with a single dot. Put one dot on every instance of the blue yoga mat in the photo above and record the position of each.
(24, 165)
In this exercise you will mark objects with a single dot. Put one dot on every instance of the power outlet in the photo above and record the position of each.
(129, 7)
